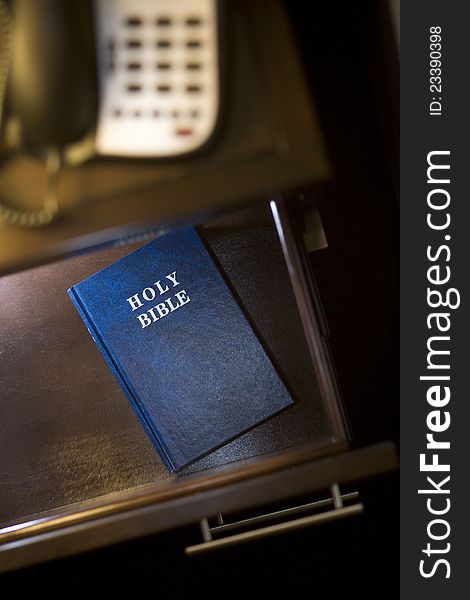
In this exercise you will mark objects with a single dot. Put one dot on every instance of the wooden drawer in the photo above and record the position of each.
(78, 469)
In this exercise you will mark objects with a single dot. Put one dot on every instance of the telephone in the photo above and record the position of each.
(122, 78)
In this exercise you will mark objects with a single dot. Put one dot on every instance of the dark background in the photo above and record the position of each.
(422, 134)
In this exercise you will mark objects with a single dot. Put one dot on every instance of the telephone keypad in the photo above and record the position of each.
(161, 97)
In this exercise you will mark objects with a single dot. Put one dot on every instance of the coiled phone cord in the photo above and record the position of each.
(50, 209)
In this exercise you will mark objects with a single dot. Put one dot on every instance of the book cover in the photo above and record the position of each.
(180, 346)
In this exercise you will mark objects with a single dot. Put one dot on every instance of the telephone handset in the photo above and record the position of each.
(141, 78)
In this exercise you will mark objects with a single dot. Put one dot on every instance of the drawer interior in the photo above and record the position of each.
(68, 435)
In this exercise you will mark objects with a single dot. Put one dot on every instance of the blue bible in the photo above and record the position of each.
(180, 346)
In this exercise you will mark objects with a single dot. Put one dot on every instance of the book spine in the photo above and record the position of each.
(113, 365)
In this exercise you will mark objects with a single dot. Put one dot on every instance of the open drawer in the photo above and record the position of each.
(78, 471)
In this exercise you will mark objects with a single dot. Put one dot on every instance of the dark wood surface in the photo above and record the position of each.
(104, 528)
(354, 558)
(68, 434)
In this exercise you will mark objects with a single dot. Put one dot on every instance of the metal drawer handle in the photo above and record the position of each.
(340, 511)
